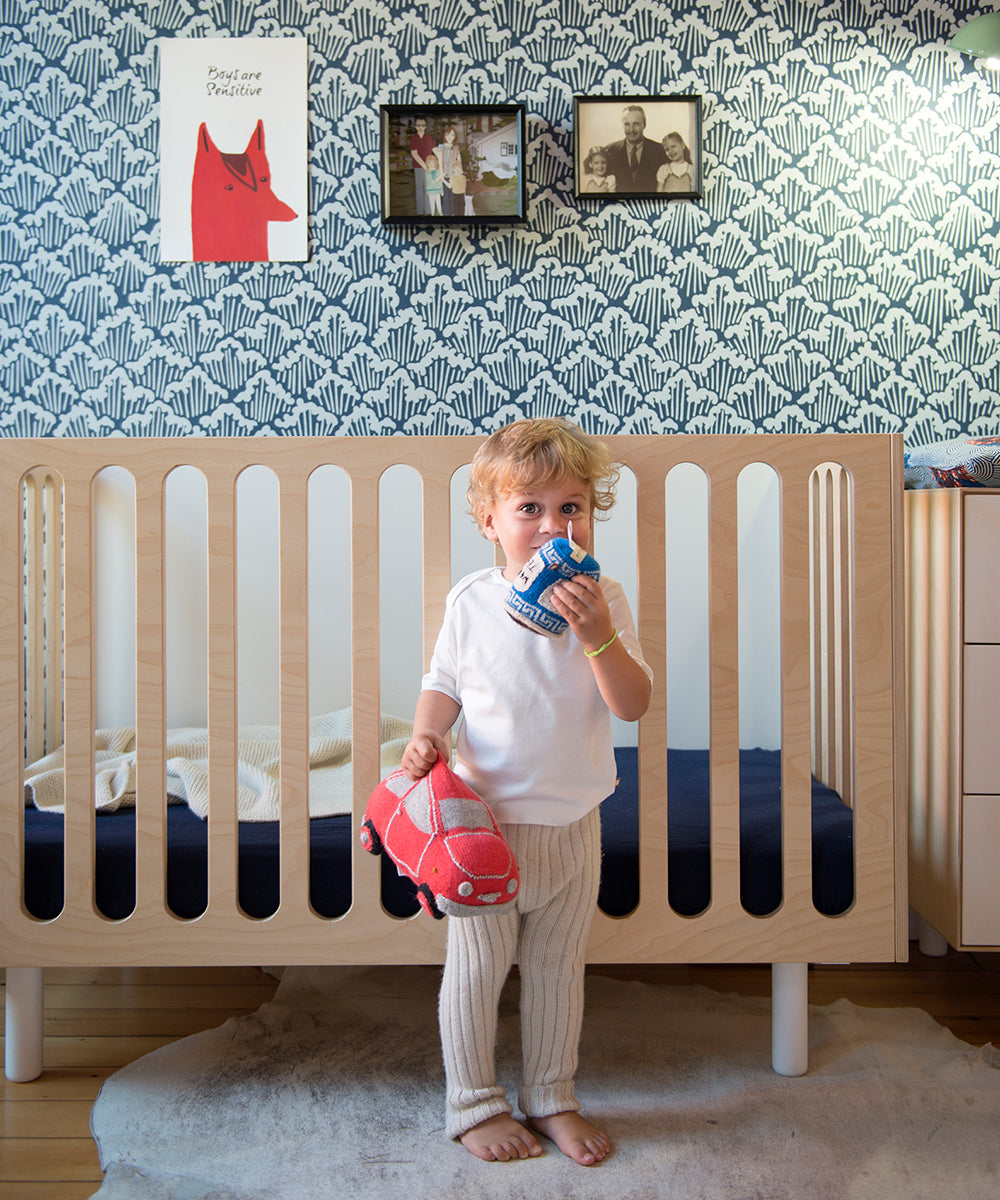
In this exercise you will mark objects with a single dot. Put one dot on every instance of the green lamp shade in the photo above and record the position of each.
(980, 37)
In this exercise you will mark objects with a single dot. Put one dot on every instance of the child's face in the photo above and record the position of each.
(525, 519)
(598, 165)
(674, 148)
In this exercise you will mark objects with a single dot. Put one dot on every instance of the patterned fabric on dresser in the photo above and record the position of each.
(961, 462)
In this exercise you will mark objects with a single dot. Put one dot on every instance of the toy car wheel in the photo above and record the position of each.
(426, 898)
(370, 838)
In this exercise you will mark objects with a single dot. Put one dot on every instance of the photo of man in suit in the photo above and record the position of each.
(635, 159)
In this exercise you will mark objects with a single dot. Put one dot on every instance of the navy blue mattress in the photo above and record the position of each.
(333, 841)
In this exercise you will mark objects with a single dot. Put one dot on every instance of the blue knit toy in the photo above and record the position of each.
(529, 598)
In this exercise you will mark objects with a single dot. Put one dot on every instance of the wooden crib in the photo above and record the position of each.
(841, 704)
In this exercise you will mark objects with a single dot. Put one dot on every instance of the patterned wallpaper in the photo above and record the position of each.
(841, 272)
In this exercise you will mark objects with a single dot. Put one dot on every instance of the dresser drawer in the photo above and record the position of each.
(981, 724)
(981, 582)
(980, 879)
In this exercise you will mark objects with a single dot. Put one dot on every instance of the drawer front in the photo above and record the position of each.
(980, 878)
(981, 720)
(982, 568)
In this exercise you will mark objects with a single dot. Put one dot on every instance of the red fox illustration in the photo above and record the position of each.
(232, 201)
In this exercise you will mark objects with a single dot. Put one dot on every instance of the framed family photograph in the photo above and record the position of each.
(447, 164)
(637, 146)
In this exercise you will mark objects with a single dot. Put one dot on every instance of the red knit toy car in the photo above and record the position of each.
(439, 833)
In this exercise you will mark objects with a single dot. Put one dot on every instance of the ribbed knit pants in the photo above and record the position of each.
(545, 929)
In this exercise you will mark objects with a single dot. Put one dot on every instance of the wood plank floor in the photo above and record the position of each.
(99, 1020)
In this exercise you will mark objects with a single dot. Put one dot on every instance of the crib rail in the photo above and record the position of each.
(841, 693)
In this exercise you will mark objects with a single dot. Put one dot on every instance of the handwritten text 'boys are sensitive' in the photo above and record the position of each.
(233, 82)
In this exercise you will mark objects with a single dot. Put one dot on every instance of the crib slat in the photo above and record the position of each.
(11, 685)
(651, 627)
(294, 692)
(78, 691)
(819, 510)
(796, 750)
(724, 741)
(223, 846)
(53, 605)
(34, 618)
(365, 681)
(150, 699)
(843, 734)
(43, 633)
(833, 719)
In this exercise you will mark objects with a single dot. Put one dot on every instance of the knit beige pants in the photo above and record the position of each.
(545, 930)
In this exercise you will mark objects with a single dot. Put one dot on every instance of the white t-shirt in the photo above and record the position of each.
(535, 738)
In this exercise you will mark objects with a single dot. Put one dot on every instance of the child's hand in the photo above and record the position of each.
(581, 602)
(421, 754)
(622, 682)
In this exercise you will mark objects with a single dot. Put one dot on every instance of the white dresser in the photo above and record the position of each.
(953, 657)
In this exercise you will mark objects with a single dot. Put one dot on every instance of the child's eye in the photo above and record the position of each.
(529, 509)
(570, 509)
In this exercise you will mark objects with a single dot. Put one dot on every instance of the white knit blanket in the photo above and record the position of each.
(257, 768)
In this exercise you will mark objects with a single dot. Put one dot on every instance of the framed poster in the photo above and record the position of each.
(447, 164)
(233, 150)
(631, 146)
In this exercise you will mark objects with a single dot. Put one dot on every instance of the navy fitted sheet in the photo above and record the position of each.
(333, 841)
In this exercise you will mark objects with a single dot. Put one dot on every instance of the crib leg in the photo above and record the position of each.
(790, 1018)
(24, 1012)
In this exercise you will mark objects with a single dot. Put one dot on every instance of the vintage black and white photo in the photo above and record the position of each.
(637, 146)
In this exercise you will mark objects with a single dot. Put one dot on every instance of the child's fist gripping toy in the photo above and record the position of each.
(442, 836)
(528, 600)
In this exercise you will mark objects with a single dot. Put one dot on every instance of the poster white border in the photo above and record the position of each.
(230, 84)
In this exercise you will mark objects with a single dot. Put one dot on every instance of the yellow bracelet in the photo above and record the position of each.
(594, 653)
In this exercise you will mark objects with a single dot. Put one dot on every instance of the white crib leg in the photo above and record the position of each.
(24, 1014)
(790, 1018)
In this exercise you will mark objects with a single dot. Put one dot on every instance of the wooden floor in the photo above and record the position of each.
(99, 1020)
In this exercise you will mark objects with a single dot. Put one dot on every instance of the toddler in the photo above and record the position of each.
(535, 742)
(434, 185)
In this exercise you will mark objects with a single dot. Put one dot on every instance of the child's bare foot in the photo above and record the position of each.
(575, 1137)
(499, 1139)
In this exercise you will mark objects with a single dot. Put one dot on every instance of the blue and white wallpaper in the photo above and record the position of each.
(841, 273)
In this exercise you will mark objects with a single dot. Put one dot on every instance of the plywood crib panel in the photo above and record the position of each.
(840, 691)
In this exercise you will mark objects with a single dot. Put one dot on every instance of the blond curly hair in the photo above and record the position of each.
(538, 452)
